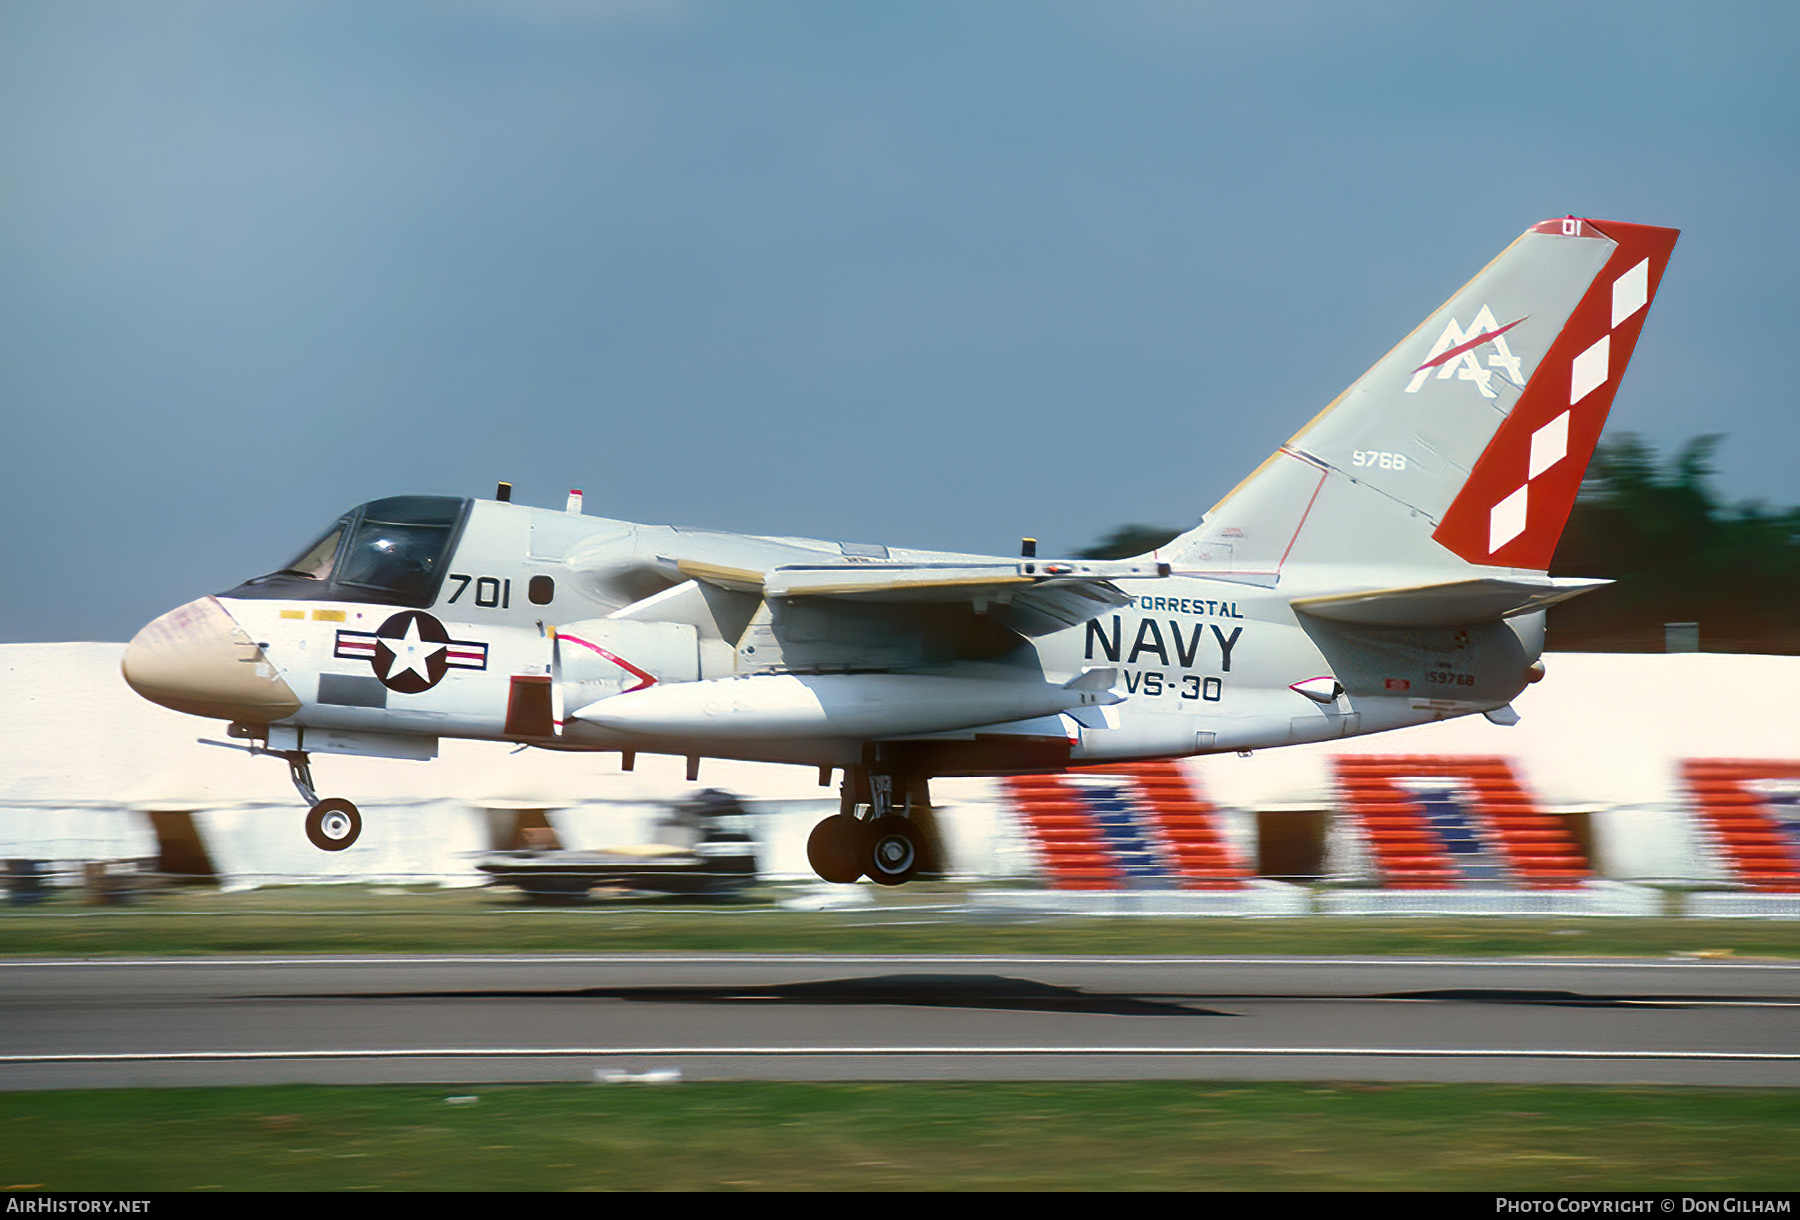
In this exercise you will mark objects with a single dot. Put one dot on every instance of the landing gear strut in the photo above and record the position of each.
(877, 832)
(331, 825)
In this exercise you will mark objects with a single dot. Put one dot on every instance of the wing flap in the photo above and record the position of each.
(1057, 605)
(1033, 597)
(738, 580)
(929, 583)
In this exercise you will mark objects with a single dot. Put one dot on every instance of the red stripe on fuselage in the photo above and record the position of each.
(621, 662)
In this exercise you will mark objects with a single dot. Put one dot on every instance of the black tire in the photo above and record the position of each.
(838, 849)
(333, 824)
(895, 854)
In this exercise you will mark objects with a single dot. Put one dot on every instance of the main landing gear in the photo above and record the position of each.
(868, 837)
(332, 824)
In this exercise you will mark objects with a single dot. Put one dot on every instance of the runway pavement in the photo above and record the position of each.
(467, 1020)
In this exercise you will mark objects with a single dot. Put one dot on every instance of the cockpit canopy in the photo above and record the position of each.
(390, 551)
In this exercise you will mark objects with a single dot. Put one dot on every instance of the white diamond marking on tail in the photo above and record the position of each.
(1631, 291)
(1588, 373)
(1507, 521)
(1549, 445)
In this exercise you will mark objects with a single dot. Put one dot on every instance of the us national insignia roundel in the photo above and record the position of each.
(411, 651)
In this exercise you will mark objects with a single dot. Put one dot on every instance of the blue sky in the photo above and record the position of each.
(925, 274)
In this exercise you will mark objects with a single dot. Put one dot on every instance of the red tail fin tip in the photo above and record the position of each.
(1511, 511)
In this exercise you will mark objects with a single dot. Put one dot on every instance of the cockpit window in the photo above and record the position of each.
(317, 560)
(388, 551)
(399, 545)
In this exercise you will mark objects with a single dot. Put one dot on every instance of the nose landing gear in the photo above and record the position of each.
(332, 824)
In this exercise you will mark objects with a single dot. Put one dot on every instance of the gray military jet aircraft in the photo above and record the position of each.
(1385, 567)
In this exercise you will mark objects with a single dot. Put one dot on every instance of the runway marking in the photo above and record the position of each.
(809, 959)
(568, 1052)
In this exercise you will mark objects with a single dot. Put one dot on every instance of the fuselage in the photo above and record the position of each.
(494, 621)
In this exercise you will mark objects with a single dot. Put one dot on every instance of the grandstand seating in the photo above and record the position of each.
(1757, 848)
(1135, 826)
(1430, 821)
(1063, 832)
(1435, 821)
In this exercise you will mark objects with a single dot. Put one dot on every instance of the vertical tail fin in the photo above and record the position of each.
(1467, 442)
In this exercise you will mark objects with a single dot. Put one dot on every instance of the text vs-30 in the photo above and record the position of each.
(1187, 686)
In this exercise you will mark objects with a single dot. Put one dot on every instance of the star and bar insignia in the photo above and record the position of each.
(411, 652)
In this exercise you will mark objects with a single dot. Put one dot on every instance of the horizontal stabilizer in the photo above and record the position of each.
(1453, 604)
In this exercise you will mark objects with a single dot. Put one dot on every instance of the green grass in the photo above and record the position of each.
(363, 919)
(739, 1136)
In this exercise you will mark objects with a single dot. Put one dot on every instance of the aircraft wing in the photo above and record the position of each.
(1454, 603)
(1033, 597)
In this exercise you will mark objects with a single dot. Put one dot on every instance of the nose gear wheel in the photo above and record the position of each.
(333, 824)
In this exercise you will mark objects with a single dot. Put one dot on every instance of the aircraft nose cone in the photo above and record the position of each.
(196, 659)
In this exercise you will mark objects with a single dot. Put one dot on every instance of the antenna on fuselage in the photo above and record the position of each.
(503, 493)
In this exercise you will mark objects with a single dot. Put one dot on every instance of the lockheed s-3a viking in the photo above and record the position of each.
(1386, 567)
